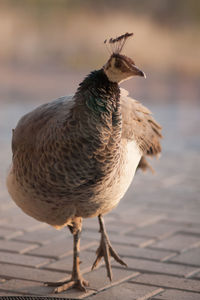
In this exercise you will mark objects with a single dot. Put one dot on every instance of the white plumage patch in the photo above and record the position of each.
(131, 161)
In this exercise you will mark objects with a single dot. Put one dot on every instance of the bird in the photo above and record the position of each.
(75, 157)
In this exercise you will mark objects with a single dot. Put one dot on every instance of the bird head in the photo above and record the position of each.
(120, 67)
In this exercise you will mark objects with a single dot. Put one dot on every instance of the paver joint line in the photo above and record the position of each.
(166, 287)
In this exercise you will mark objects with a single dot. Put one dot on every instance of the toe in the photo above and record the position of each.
(85, 282)
(54, 284)
(114, 254)
(64, 287)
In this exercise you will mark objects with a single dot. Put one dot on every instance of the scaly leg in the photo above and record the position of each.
(106, 250)
(76, 280)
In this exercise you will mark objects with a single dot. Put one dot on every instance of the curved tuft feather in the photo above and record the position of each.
(116, 45)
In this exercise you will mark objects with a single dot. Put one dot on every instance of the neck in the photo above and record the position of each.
(97, 105)
(99, 94)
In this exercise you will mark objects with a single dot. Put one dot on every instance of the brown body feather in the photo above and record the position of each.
(75, 157)
(70, 162)
(138, 124)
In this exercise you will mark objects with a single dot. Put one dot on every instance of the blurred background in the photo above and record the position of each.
(48, 46)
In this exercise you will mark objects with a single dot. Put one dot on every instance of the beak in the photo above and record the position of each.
(137, 72)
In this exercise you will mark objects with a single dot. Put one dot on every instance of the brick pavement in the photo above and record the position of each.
(155, 229)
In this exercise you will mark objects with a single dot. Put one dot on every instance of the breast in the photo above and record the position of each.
(130, 160)
(115, 187)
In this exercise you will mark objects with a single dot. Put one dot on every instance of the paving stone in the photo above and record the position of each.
(9, 211)
(185, 218)
(157, 230)
(191, 257)
(128, 291)
(122, 239)
(185, 228)
(136, 252)
(20, 272)
(118, 227)
(5, 203)
(13, 246)
(177, 295)
(146, 253)
(193, 229)
(141, 218)
(7, 233)
(23, 260)
(65, 296)
(22, 222)
(43, 235)
(99, 281)
(166, 281)
(2, 220)
(5, 293)
(60, 247)
(177, 242)
(91, 224)
(195, 275)
(25, 287)
(87, 259)
(142, 265)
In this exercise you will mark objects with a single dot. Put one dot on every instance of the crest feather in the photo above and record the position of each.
(116, 45)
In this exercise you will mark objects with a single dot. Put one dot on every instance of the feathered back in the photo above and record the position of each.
(138, 124)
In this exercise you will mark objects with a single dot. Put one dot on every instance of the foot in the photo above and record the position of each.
(62, 286)
(106, 251)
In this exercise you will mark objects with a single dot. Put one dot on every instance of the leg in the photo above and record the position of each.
(76, 280)
(106, 250)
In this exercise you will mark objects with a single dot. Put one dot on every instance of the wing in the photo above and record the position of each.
(31, 125)
(138, 124)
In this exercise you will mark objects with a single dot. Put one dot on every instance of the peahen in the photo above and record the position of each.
(75, 157)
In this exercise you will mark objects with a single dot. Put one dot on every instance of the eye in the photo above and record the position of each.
(118, 63)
